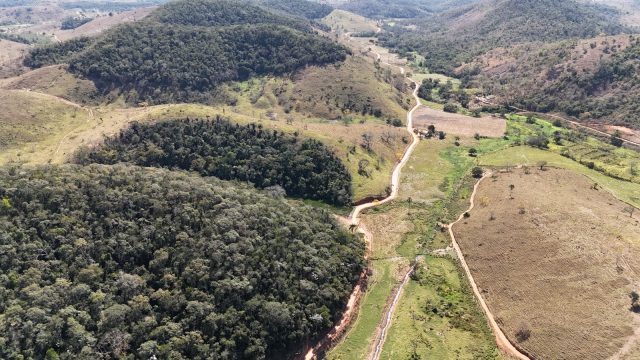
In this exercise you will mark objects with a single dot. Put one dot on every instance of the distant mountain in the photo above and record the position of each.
(449, 39)
(186, 49)
(404, 9)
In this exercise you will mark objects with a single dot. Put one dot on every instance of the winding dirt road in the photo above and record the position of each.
(501, 339)
(354, 219)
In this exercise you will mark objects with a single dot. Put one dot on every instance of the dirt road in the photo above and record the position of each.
(355, 222)
(501, 339)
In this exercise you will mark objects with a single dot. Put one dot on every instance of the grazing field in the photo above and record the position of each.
(353, 89)
(31, 122)
(556, 260)
(102, 23)
(433, 189)
(528, 156)
(342, 21)
(457, 124)
(438, 318)
(54, 80)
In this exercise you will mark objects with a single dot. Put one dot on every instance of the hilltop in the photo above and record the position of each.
(174, 56)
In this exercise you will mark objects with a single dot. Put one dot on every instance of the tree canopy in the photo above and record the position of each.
(186, 49)
(115, 262)
(304, 168)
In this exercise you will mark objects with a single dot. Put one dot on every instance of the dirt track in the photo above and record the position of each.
(501, 340)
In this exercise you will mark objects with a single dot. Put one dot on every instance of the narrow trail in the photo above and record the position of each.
(354, 220)
(501, 339)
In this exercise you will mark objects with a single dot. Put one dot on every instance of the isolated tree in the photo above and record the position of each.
(431, 128)
(477, 172)
(523, 333)
(473, 152)
(541, 164)
(616, 139)
(367, 141)
(630, 210)
(635, 301)
(442, 135)
(362, 167)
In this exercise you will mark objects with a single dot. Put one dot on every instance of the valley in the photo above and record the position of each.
(284, 179)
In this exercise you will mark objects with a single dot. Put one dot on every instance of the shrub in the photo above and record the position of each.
(477, 172)
(450, 108)
(523, 333)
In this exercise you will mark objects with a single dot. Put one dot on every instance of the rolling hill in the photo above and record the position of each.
(174, 56)
(593, 79)
(447, 40)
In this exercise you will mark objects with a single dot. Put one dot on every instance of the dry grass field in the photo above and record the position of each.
(457, 124)
(11, 55)
(102, 23)
(555, 260)
(343, 21)
(328, 92)
(53, 80)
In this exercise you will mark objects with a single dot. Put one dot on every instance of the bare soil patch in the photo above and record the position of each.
(555, 260)
(458, 124)
(102, 23)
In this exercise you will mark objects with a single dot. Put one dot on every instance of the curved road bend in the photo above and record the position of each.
(354, 219)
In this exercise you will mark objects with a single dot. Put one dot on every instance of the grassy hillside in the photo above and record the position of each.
(385, 9)
(592, 79)
(119, 262)
(456, 36)
(27, 118)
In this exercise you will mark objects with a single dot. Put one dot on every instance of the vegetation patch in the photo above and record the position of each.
(122, 261)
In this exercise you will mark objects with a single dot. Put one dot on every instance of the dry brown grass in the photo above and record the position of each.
(328, 91)
(559, 258)
(102, 23)
(457, 124)
(11, 55)
(53, 80)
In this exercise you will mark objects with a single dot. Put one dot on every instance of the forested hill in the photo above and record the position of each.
(186, 49)
(120, 262)
(304, 168)
(400, 9)
(222, 13)
(472, 30)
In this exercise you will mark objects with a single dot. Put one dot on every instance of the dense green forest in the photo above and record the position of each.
(304, 168)
(473, 30)
(400, 9)
(56, 53)
(302, 8)
(186, 49)
(222, 13)
(74, 22)
(121, 262)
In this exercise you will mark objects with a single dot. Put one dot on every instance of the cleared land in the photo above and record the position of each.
(102, 23)
(53, 80)
(402, 230)
(32, 122)
(11, 57)
(457, 124)
(554, 258)
(342, 21)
